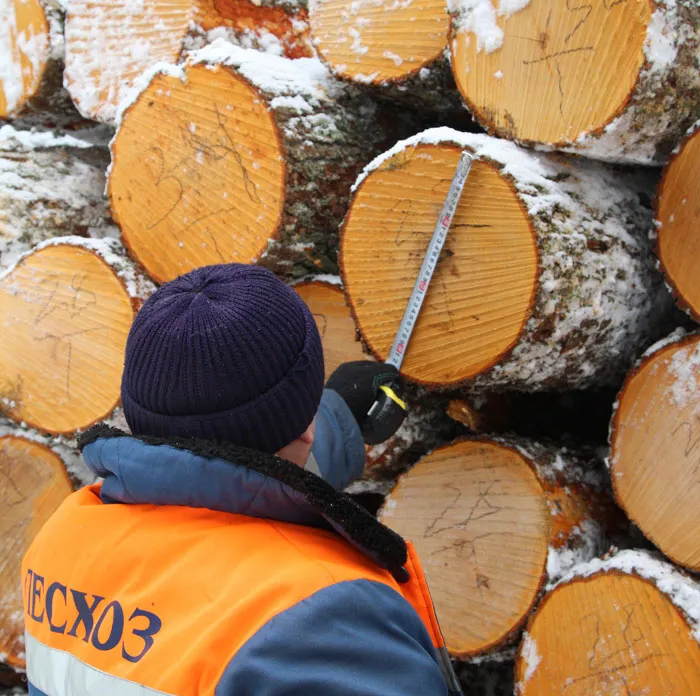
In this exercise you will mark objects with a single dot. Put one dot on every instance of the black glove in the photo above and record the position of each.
(358, 384)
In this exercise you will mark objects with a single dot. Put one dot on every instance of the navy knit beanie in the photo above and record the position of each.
(225, 353)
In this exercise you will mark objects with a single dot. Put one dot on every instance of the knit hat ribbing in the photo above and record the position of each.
(225, 353)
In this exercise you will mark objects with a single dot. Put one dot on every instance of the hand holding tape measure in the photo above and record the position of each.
(388, 409)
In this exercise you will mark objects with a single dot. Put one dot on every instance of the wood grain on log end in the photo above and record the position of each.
(655, 455)
(33, 483)
(493, 521)
(678, 211)
(66, 316)
(198, 173)
(334, 321)
(24, 53)
(484, 287)
(612, 631)
(379, 42)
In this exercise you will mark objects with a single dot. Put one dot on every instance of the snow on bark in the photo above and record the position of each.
(50, 184)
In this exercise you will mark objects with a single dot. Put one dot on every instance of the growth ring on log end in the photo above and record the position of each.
(615, 80)
(24, 52)
(198, 173)
(615, 627)
(476, 514)
(482, 292)
(65, 318)
(33, 483)
(381, 41)
(678, 211)
(655, 455)
(334, 322)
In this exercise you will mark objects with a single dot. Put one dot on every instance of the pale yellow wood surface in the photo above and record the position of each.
(24, 34)
(655, 455)
(478, 518)
(564, 69)
(33, 483)
(482, 290)
(679, 234)
(334, 321)
(198, 173)
(379, 40)
(65, 318)
(109, 44)
(610, 635)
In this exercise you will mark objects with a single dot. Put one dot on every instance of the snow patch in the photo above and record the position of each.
(530, 656)
(31, 140)
(479, 17)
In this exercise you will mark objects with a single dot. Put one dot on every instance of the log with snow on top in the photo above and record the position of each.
(678, 233)
(31, 63)
(239, 153)
(51, 184)
(612, 80)
(493, 521)
(655, 447)
(626, 625)
(547, 278)
(397, 46)
(66, 308)
(110, 44)
(334, 321)
(36, 475)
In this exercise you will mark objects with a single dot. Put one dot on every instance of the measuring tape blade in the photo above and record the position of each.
(420, 289)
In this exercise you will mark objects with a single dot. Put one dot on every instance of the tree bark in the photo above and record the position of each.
(50, 185)
(655, 441)
(546, 280)
(494, 521)
(677, 208)
(626, 625)
(615, 81)
(240, 156)
(103, 62)
(31, 64)
(67, 308)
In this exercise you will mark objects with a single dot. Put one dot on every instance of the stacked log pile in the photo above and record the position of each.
(143, 139)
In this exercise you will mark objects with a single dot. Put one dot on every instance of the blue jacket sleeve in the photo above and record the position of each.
(355, 638)
(338, 446)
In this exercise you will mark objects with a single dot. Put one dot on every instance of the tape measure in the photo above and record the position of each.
(389, 409)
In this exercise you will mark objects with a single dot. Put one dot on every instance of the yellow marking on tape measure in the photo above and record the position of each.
(393, 396)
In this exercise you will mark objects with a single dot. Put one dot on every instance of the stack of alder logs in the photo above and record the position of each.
(140, 139)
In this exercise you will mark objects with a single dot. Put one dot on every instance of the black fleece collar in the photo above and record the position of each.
(381, 544)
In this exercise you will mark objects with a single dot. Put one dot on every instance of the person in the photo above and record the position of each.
(209, 559)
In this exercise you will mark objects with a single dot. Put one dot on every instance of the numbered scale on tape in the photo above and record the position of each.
(389, 409)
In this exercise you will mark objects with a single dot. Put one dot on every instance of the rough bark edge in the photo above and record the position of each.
(136, 286)
(678, 296)
(548, 466)
(369, 347)
(677, 339)
(533, 176)
(589, 143)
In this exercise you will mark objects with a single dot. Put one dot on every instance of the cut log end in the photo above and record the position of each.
(655, 457)
(476, 513)
(196, 181)
(477, 302)
(24, 53)
(334, 321)
(66, 316)
(369, 42)
(579, 65)
(611, 633)
(33, 483)
(678, 210)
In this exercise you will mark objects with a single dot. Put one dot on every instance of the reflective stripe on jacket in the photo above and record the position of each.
(194, 569)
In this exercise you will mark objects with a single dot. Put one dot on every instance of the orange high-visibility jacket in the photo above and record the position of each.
(223, 572)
